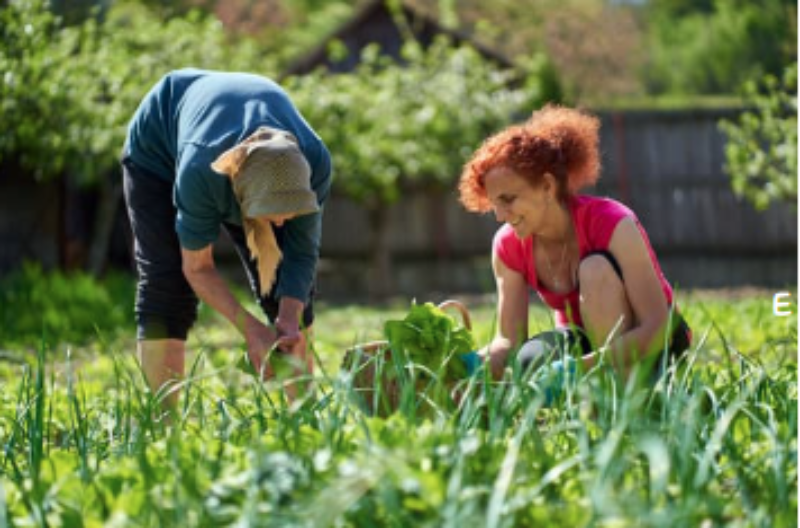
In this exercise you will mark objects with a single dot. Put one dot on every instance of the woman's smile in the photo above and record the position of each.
(516, 202)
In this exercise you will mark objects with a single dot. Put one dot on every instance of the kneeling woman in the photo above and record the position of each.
(587, 257)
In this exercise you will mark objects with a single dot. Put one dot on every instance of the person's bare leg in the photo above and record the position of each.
(162, 361)
(604, 306)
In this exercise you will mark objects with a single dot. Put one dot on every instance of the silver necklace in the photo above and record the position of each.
(555, 277)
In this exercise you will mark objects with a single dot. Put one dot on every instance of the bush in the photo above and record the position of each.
(68, 91)
(712, 47)
(57, 307)
(761, 152)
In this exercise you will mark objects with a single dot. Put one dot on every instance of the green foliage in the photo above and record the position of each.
(312, 21)
(761, 151)
(429, 337)
(713, 442)
(392, 125)
(67, 92)
(713, 47)
(32, 59)
(37, 307)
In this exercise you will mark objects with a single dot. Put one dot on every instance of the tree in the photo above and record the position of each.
(713, 46)
(593, 45)
(761, 153)
(68, 91)
(634, 48)
(392, 126)
(597, 50)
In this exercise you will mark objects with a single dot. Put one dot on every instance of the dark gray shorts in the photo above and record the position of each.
(166, 305)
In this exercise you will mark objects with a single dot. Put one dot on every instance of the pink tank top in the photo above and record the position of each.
(595, 220)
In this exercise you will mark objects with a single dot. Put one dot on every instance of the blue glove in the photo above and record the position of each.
(552, 378)
(472, 361)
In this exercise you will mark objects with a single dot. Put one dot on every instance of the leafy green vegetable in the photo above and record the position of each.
(429, 337)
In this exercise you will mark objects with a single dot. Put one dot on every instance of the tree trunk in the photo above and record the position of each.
(110, 198)
(380, 281)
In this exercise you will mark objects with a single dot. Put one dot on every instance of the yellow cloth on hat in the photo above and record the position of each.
(264, 249)
(270, 176)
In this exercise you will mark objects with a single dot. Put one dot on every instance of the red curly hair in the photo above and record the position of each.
(556, 140)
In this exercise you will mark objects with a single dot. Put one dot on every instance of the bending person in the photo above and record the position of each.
(207, 150)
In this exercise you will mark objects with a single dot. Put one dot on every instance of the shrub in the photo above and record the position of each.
(60, 307)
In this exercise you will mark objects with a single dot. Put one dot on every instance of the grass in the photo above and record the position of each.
(712, 443)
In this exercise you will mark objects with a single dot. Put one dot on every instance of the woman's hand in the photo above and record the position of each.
(289, 335)
(288, 323)
(291, 340)
(260, 340)
(495, 356)
(293, 343)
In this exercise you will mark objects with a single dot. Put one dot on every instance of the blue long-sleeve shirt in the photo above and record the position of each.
(187, 120)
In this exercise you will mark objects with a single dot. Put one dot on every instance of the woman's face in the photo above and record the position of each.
(518, 203)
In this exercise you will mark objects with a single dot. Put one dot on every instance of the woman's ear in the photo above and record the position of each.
(230, 161)
(550, 186)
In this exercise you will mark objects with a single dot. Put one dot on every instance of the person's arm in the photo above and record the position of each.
(301, 244)
(287, 323)
(512, 316)
(202, 274)
(646, 297)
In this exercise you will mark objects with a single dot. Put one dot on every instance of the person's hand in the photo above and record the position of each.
(291, 358)
(554, 377)
(289, 335)
(288, 324)
(260, 340)
(496, 361)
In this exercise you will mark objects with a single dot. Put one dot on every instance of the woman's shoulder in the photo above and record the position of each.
(506, 237)
(597, 217)
(509, 247)
(596, 211)
(505, 234)
(594, 206)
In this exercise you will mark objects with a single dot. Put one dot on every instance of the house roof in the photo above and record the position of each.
(368, 12)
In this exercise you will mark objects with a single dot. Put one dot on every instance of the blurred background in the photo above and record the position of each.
(698, 101)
